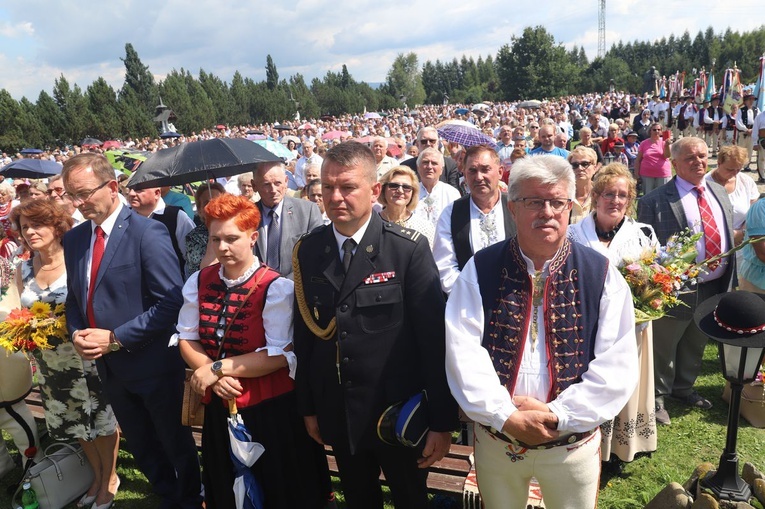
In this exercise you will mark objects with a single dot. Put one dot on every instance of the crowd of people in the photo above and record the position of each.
(370, 269)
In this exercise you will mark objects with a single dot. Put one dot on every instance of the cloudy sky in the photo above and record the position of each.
(81, 39)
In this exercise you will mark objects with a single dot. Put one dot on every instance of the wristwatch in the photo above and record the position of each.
(114, 345)
(217, 368)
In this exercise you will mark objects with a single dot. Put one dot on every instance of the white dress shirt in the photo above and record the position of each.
(277, 314)
(605, 388)
(443, 246)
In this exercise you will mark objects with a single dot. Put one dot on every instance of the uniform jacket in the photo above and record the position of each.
(390, 326)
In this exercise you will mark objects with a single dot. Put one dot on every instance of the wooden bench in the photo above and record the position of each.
(446, 476)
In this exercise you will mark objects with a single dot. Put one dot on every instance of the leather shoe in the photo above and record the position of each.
(662, 416)
(695, 399)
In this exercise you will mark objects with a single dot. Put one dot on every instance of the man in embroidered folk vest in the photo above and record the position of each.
(540, 348)
(475, 221)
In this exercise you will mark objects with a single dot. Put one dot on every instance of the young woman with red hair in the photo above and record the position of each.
(235, 331)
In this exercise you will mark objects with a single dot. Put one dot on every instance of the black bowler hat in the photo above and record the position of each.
(735, 318)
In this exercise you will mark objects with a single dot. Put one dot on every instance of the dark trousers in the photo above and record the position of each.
(360, 475)
(149, 414)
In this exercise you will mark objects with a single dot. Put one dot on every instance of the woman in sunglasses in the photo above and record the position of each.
(400, 191)
(584, 162)
(652, 162)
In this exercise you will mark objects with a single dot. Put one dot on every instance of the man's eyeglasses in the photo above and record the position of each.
(395, 186)
(583, 164)
(556, 204)
(59, 191)
(428, 141)
(84, 196)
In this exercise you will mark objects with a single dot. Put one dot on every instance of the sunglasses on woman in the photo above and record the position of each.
(395, 186)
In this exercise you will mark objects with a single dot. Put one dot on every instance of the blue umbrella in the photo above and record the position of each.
(31, 169)
(244, 453)
(461, 111)
(31, 151)
(276, 148)
(169, 134)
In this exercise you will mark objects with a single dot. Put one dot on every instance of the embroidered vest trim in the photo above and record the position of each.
(571, 303)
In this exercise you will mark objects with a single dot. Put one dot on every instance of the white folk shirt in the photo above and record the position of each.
(431, 204)
(605, 388)
(443, 245)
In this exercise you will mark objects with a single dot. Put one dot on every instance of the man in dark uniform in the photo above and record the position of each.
(369, 333)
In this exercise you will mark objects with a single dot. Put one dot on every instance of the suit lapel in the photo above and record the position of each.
(673, 198)
(362, 263)
(260, 245)
(510, 229)
(113, 243)
(287, 227)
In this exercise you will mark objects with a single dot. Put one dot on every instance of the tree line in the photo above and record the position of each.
(533, 65)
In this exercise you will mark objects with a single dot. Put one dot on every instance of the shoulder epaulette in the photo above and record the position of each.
(401, 231)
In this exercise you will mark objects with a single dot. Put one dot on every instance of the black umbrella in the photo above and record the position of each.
(198, 161)
(91, 142)
(31, 169)
(282, 127)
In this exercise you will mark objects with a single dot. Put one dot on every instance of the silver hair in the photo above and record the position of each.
(428, 129)
(263, 168)
(428, 151)
(244, 178)
(685, 142)
(7, 188)
(546, 169)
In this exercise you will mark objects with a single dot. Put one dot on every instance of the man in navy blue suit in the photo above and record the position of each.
(124, 294)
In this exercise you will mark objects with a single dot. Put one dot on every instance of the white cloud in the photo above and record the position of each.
(21, 29)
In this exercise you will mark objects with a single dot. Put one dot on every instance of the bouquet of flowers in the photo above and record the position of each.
(29, 329)
(658, 277)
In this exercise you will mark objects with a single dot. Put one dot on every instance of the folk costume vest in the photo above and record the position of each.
(572, 294)
(714, 114)
(169, 218)
(460, 227)
(745, 117)
(217, 305)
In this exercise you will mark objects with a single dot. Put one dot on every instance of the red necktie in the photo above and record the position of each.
(95, 263)
(712, 240)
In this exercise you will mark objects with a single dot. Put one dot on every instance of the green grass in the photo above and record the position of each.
(694, 437)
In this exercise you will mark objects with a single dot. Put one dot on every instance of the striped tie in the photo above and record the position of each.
(712, 239)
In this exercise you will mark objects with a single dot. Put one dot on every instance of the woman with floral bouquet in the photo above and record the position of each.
(609, 230)
(74, 403)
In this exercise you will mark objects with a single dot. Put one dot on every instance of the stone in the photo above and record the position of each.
(758, 490)
(699, 473)
(673, 496)
(705, 501)
(749, 473)
(743, 505)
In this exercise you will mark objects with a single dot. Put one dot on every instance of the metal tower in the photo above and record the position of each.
(601, 28)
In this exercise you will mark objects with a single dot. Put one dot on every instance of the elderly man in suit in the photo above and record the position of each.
(123, 297)
(688, 200)
(369, 333)
(285, 218)
(475, 221)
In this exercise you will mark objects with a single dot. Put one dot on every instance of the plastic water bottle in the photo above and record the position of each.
(29, 497)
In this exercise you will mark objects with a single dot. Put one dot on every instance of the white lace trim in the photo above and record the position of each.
(241, 279)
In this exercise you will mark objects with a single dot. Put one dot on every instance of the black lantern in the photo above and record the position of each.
(736, 320)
